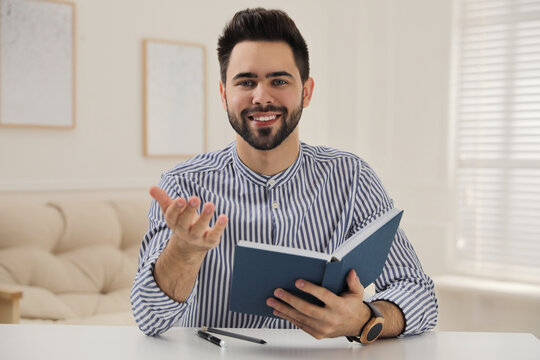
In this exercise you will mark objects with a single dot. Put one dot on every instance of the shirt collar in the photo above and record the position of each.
(263, 180)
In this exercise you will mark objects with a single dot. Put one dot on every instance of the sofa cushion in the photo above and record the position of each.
(33, 266)
(40, 303)
(89, 304)
(73, 259)
(133, 221)
(87, 223)
(26, 223)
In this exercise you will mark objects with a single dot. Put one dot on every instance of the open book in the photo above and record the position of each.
(260, 268)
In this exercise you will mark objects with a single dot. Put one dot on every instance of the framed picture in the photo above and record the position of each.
(174, 98)
(37, 63)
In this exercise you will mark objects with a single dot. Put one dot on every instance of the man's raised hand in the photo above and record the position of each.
(191, 232)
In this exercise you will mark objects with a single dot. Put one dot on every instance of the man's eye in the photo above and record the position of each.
(246, 83)
(279, 82)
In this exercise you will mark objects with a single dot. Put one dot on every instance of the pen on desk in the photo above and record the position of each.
(209, 337)
(234, 335)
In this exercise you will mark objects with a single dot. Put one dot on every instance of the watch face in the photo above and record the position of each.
(374, 332)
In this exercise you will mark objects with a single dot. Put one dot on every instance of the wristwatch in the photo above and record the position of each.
(372, 328)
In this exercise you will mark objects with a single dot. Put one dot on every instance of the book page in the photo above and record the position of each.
(364, 233)
(286, 250)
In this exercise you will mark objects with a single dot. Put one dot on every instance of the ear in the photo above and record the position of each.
(223, 95)
(308, 91)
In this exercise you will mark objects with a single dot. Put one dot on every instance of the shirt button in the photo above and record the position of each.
(271, 182)
(275, 204)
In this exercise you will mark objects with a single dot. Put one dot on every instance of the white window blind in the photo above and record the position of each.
(497, 78)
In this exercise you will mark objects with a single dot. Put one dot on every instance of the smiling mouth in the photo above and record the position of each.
(264, 118)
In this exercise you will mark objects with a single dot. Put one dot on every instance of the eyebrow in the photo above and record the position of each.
(278, 74)
(269, 75)
(245, 75)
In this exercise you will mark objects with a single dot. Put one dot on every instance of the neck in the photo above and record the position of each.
(269, 162)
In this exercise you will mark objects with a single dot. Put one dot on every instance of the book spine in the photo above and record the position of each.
(333, 278)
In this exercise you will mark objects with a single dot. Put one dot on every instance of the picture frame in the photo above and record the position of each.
(174, 91)
(38, 64)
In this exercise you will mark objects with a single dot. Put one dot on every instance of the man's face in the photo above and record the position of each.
(264, 94)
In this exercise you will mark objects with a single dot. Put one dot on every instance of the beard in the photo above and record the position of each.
(263, 138)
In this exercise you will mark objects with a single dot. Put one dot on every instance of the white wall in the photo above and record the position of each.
(104, 151)
(403, 78)
(403, 82)
(381, 72)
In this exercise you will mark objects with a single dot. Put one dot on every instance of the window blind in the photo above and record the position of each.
(497, 142)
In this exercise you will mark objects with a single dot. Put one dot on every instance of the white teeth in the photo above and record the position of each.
(265, 118)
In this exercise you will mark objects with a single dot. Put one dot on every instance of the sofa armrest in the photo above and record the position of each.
(10, 310)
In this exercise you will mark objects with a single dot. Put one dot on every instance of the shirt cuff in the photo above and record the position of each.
(154, 311)
(416, 306)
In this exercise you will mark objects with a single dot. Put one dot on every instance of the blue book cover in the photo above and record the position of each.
(260, 268)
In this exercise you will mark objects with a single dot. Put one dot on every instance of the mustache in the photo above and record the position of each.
(259, 108)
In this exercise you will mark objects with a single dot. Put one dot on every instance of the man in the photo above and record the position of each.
(269, 187)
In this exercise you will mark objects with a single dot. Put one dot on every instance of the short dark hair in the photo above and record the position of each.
(260, 24)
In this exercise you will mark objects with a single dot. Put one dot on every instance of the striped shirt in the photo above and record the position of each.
(317, 203)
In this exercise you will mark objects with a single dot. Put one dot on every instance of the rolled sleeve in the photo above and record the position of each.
(154, 311)
(404, 283)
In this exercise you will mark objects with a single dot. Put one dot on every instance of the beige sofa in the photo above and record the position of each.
(73, 261)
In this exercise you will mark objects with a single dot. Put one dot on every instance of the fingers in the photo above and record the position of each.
(288, 311)
(313, 332)
(161, 197)
(355, 287)
(185, 218)
(301, 306)
(340, 315)
(321, 293)
(298, 311)
(215, 233)
(179, 214)
(181, 217)
(171, 213)
(312, 321)
(201, 225)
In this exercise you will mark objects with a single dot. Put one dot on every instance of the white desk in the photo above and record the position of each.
(118, 342)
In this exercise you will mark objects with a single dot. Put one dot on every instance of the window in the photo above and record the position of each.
(497, 117)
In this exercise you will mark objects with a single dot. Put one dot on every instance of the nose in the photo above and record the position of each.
(261, 95)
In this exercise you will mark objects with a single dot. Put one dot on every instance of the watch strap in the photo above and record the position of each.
(372, 328)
